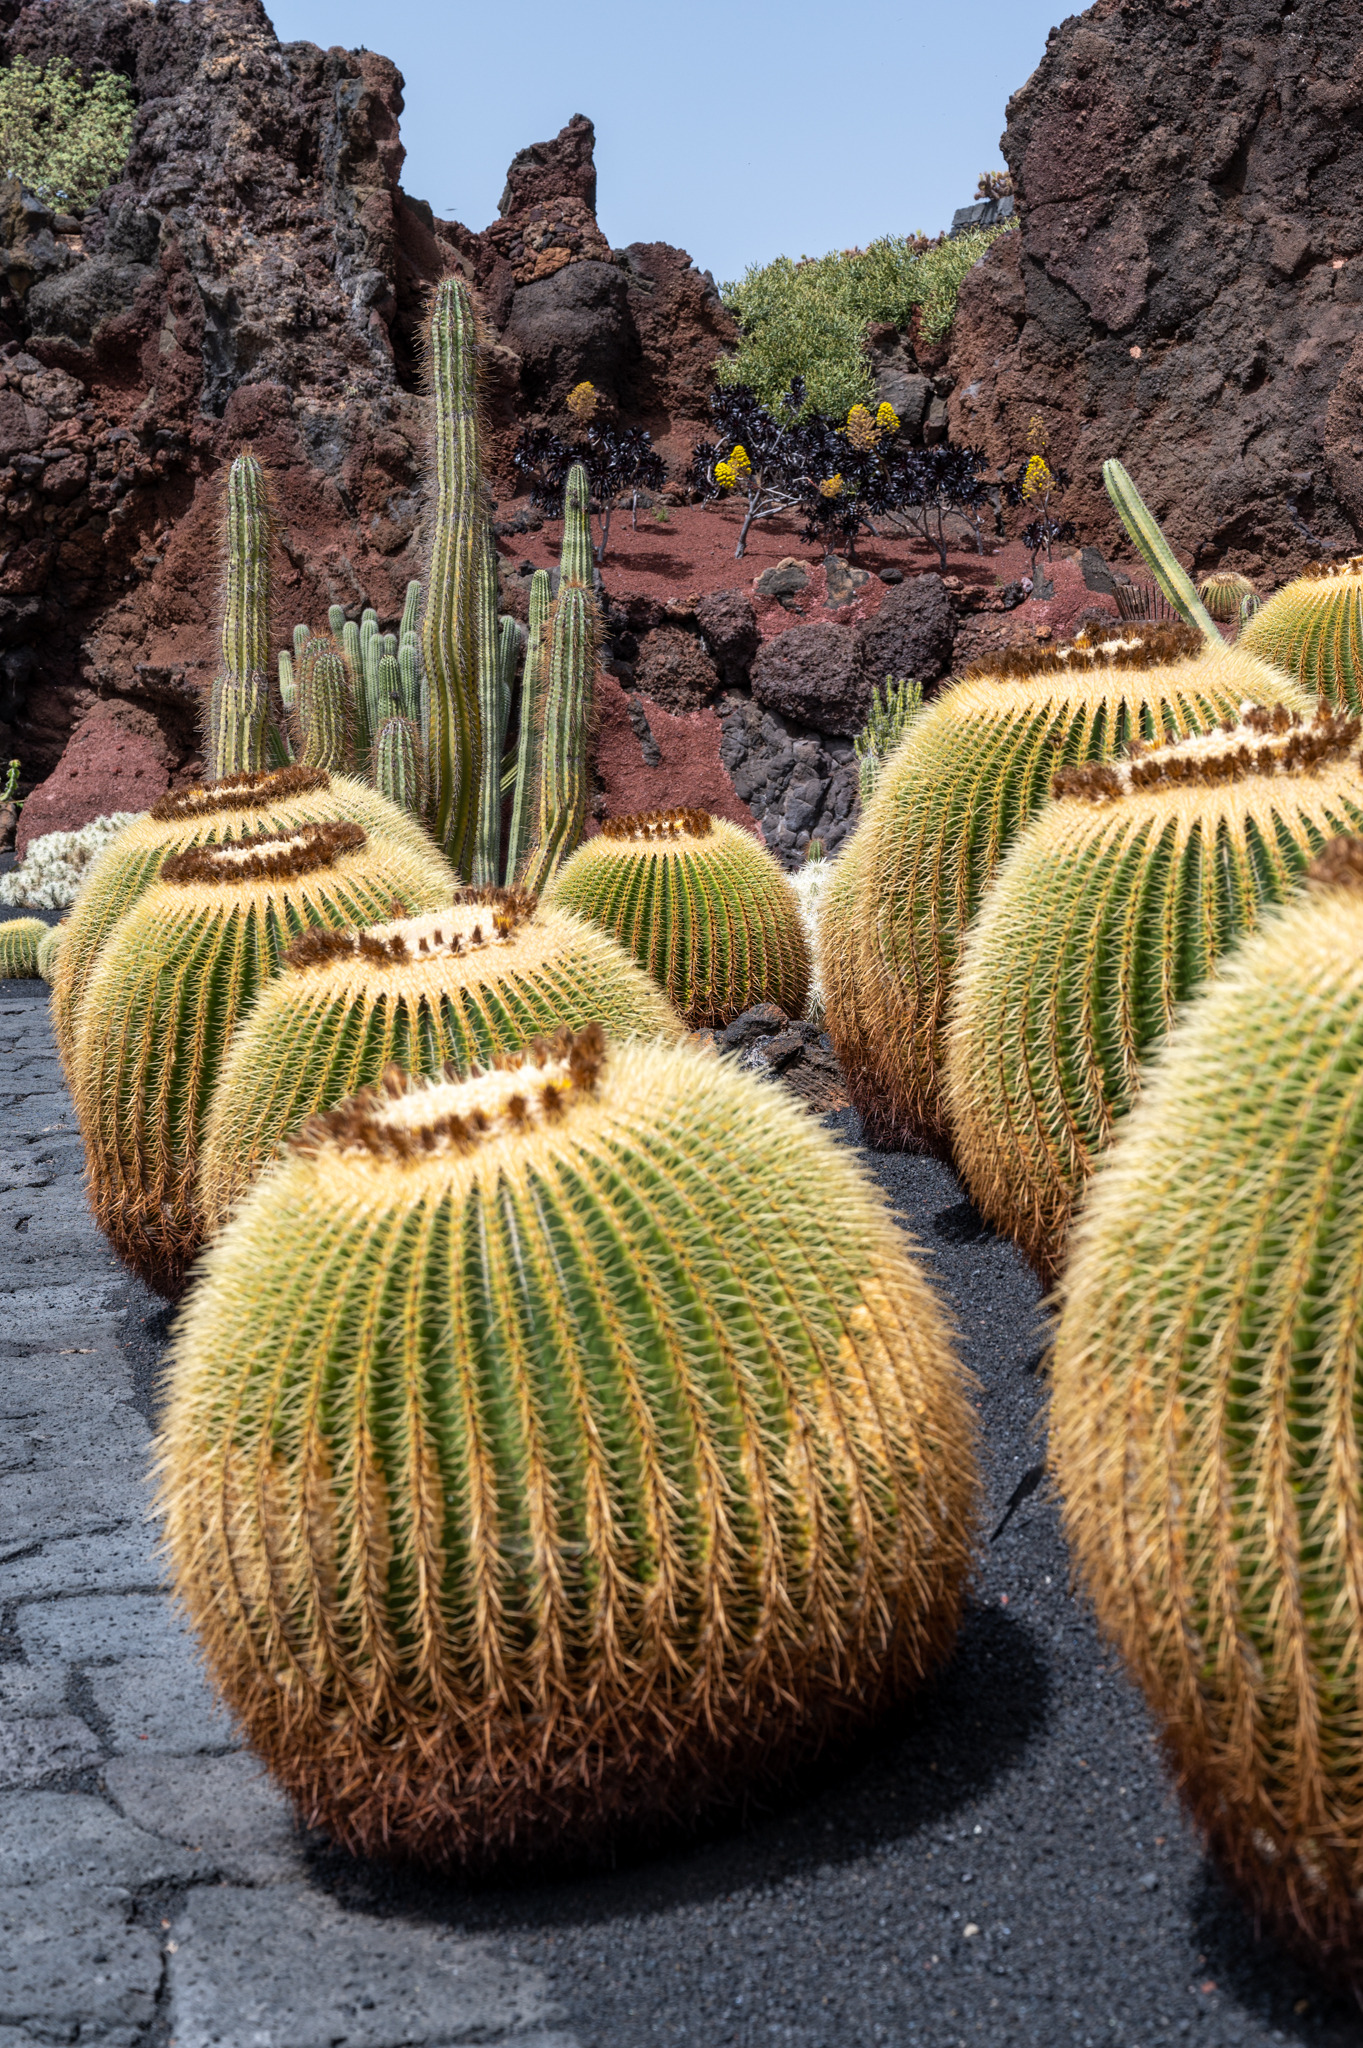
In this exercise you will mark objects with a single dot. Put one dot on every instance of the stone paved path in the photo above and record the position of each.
(152, 1885)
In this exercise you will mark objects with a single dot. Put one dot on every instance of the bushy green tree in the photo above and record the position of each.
(809, 319)
(63, 138)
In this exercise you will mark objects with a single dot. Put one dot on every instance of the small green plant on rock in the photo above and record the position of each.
(63, 138)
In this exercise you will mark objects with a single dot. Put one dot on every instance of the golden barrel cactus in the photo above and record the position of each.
(1208, 1383)
(1312, 629)
(700, 904)
(1111, 910)
(49, 946)
(20, 939)
(235, 808)
(476, 978)
(176, 975)
(960, 788)
(558, 1448)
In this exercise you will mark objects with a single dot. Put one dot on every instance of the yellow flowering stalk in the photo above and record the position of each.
(726, 475)
(831, 487)
(1037, 479)
(583, 400)
(862, 430)
(887, 419)
(739, 460)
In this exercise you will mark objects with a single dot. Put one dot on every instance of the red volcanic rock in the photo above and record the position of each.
(1185, 288)
(687, 772)
(562, 169)
(911, 634)
(812, 674)
(674, 670)
(115, 760)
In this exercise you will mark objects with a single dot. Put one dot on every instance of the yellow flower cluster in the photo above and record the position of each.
(583, 400)
(887, 419)
(831, 487)
(1037, 479)
(740, 461)
(726, 476)
(862, 430)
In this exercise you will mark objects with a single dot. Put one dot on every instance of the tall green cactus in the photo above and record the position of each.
(325, 710)
(560, 813)
(239, 701)
(493, 707)
(532, 724)
(458, 559)
(1143, 527)
(397, 761)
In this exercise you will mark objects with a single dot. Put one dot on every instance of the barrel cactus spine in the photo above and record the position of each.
(48, 949)
(459, 548)
(1112, 909)
(447, 991)
(685, 1477)
(970, 772)
(20, 939)
(239, 699)
(236, 808)
(702, 907)
(176, 975)
(1313, 630)
(1208, 1352)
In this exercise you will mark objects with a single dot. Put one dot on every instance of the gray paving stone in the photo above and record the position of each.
(75, 1838)
(224, 1805)
(74, 1502)
(32, 1750)
(62, 1440)
(286, 1968)
(69, 1958)
(161, 1706)
(29, 1689)
(120, 1561)
(95, 1628)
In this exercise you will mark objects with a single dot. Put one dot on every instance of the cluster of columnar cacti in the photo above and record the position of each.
(893, 710)
(1112, 909)
(701, 905)
(176, 973)
(969, 774)
(559, 1448)
(1208, 1376)
(236, 808)
(445, 992)
(1313, 629)
(20, 938)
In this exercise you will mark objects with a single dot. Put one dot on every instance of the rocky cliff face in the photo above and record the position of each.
(258, 274)
(1185, 290)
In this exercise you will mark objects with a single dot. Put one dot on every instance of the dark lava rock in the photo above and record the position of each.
(674, 670)
(911, 635)
(759, 1022)
(798, 784)
(786, 579)
(729, 625)
(572, 328)
(562, 169)
(841, 581)
(812, 674)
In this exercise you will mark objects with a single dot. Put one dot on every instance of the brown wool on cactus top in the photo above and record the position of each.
(1325, 572)
(1339, 864)
(1130, 646)
(1269, 740)
(267, 856)
(238, 793)
(659, 825)
(477, 917)
(408, 1117)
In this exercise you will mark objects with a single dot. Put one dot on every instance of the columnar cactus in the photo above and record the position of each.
(1144, 529)
(450, 635)
(531, 736)
(177, 973)
(326, 710)
(1208, 1376)
(20, 938)
(561, 1447)
(569, 663)
(239, 700)
(701, 905)
(1313, 630)
(1111, 910)
(965, 780)
(235, 808)
(446, 991)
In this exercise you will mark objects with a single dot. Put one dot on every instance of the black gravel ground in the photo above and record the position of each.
(1004, 1864)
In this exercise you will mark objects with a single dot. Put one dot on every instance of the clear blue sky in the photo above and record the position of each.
(738, 129)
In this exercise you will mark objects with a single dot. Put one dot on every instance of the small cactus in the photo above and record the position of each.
(1164, 565)
(965, 780)
(177, 973)
(48, 948)
(893, 710)
(561, 1448)
(235, 808)
(1228, 596)
(1313, 630)
(239, 699)
(326, 710)
(20, 940)
(456, 987)
(701, 905)
(1207, 1377)
(1112, 909)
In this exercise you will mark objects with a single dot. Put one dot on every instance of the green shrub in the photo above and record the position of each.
(65, 140)
(808, 319)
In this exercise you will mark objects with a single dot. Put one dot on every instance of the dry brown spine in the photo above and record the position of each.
(1328, 571)
(1131, 646)
(507, 910)
(659, 825)
(1289, 745)
(267, 856)
(238, 792)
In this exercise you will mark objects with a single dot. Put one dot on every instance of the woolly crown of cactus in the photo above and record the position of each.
(1209, 1354)
(1313, 630)
(964, 782)
(701, 906)
(559, 1447)
(177, 973)
(231, 809)
(1112, 909)
(458, 986)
